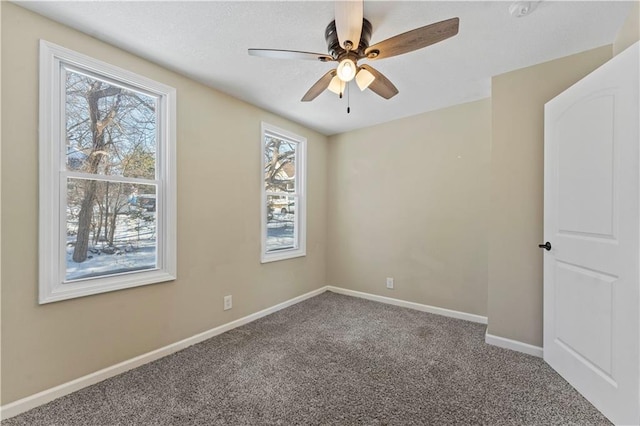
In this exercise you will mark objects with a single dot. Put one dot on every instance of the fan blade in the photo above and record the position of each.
(319, 86)
(381, 85)
(349, 16)
(414, 39)
(290, 54)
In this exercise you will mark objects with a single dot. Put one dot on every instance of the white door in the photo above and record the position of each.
(592, 221)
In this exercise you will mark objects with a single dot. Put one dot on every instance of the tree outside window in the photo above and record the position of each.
(107, 148)
(283, 194)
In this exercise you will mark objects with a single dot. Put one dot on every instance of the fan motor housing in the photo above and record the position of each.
(333, 44)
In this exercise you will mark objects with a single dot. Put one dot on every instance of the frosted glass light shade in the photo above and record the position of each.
(336, 85)
(364, 78)
(346, 70)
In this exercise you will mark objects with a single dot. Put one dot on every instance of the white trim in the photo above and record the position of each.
(52, 177)
(20, 406)
(300, 195)
(514, 345)
(411, 305)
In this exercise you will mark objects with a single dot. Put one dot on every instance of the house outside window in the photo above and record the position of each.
(283, 184)
(107, 177)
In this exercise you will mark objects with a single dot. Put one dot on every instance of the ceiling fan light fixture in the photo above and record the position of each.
(336, 85)
(364, 79)
(348, 37)
(347, 70)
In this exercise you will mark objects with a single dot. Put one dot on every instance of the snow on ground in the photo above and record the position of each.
(280, 234)
(134, 249)
(144, 257)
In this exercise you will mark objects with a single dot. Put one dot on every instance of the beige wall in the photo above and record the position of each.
(409, 200)
(435, 201)
(630, 31)
(516, 208)
(218, 243)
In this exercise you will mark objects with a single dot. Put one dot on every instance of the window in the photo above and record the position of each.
(283, 194)
(107, 177)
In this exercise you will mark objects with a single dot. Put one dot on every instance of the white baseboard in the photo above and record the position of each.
(411, 305)
(514, 345)
(20, 406)
(40, 398)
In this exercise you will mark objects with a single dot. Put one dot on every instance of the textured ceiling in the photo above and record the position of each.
(208, 41)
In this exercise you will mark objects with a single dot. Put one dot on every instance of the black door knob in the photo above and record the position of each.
(546, 246)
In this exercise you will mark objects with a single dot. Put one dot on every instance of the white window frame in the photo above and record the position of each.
(300, 245)
(53, 175)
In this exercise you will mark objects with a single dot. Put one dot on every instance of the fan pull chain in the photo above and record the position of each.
(348, 98)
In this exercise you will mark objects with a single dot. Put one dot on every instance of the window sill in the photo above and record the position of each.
(63, 291)
(282, 255)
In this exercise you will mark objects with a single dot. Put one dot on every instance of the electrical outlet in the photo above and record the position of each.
(389, 282)
(228, 303)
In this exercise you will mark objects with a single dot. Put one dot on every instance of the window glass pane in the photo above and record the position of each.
(279, 165)
(281, 223)
(111, 228)
(110, 130)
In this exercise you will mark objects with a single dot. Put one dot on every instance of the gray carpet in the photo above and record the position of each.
(332, 359)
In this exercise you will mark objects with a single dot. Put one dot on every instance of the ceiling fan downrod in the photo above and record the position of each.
(337, 51)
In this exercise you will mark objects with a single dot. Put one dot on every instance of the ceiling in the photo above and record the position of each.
(208, 41)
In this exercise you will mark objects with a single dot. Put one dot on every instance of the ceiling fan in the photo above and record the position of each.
(348, 39)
